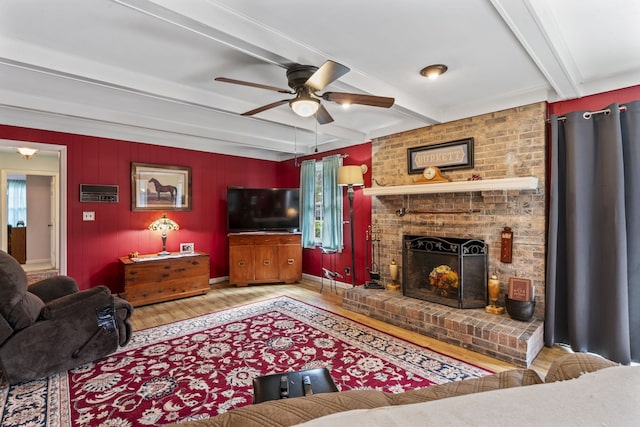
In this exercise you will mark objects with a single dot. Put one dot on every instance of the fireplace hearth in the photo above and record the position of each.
(449, 271)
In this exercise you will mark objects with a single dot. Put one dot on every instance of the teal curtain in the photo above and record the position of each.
(307, 203)
(332, 200)
(16, 201)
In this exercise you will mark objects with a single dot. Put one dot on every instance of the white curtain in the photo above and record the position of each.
(16, 202)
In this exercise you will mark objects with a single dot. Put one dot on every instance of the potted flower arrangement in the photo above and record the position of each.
(444, 281)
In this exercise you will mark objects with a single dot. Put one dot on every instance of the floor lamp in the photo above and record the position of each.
(351, 176)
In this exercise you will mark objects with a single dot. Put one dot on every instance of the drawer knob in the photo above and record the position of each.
(290, 261)
(266, 261)
(241, 263)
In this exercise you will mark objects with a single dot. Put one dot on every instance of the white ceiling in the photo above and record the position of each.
(143, 70)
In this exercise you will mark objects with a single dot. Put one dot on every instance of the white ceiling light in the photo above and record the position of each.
(304, 105)
(434, 71)
(26, 152)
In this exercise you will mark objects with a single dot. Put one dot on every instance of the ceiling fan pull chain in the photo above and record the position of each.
(316, 134)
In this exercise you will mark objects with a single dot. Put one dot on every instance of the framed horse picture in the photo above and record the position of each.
(160, 187)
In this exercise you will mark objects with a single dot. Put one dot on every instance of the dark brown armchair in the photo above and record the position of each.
(51, 327)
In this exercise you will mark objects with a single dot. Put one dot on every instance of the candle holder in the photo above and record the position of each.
(393, 273)
(493, 288)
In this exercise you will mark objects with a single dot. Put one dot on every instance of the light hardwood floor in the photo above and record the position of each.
(223, 295)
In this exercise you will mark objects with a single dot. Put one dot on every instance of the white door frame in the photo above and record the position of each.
(59, 210)
(54, 201)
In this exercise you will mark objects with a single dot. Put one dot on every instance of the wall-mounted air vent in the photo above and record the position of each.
(99, 193)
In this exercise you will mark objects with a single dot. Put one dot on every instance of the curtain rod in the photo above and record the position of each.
(587, 115)
(298, 164)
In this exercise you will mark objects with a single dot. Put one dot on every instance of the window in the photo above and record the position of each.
(17, 202)
(321, 203)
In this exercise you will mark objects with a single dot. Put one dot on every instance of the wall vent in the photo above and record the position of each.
(99, 193)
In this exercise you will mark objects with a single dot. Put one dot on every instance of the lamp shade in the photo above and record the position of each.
(163, 224)
(350, 175)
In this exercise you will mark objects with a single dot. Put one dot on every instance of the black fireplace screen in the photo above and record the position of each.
(448, 271)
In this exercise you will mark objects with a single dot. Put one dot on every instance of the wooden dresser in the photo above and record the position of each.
(265, 258)
(151, 278)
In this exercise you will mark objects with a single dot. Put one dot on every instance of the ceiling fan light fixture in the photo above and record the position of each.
(304, 106)
(434, 71)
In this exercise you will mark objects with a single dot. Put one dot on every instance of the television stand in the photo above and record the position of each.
(267, 257)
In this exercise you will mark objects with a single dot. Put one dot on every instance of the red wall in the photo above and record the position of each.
(312, 258)
(93, 248)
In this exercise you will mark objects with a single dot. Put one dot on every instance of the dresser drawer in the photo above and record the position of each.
(240, 240)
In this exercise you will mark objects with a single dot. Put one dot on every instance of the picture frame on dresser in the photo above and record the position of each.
(186, 248)
(160, 187)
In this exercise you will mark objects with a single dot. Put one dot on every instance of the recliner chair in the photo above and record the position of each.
(50, 326)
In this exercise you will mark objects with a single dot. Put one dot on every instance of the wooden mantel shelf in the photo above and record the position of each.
(519, 183)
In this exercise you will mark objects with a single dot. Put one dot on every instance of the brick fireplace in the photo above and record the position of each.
(496, 336)
(514, 133)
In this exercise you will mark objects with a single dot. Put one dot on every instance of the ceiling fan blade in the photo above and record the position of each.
(265, 107)
(258, 85)
(355, 98)
(322, 116)
(329, 72)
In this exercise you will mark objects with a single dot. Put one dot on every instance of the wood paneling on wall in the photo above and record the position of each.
(94, 247)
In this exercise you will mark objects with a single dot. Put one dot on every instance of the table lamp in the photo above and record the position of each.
(164, 224)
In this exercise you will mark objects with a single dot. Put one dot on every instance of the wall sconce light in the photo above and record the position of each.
(164, 224)
(434, 71)
(26, 152)
(351, 176)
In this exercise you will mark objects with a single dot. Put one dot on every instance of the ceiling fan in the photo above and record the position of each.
(305, 81)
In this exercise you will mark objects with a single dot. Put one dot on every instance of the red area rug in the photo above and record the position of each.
(204, 366)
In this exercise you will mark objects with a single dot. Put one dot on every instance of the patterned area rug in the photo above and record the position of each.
(204, 366)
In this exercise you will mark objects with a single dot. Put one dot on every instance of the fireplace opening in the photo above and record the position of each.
(449, 271)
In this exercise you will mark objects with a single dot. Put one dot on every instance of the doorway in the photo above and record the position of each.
(45, 219)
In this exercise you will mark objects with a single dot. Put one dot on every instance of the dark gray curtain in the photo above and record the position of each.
(593, 258)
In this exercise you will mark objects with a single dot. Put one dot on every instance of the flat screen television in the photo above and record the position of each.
(263, 209)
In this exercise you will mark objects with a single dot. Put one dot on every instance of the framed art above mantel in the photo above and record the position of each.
(160, 187)
(446, 156)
